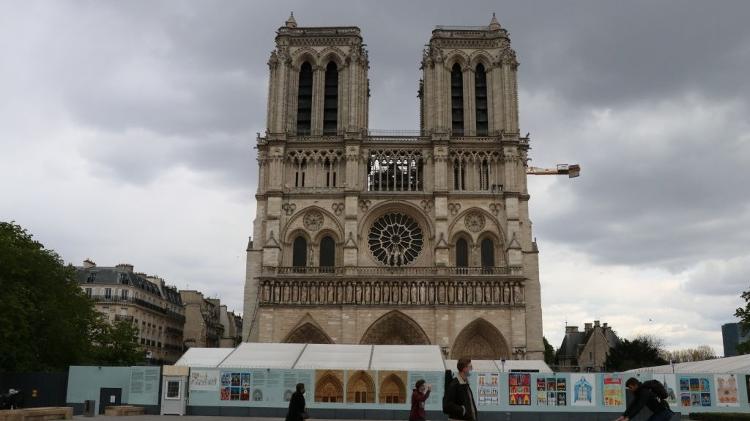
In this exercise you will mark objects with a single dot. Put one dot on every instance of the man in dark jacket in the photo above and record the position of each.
(418, 397)
(644, 396)
(459, 400)
(296, 410)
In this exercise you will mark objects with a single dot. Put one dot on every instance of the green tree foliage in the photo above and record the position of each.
(46, 321)
(549, 352)
(114, 343)
(744, 315)
(643, 351)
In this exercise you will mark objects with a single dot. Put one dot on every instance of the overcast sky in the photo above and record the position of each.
(127, 133)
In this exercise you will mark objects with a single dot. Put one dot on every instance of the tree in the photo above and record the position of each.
(701, 353)
(114, 343)
(643, 351)
(744, 316)
(46, 321)
(549, 352)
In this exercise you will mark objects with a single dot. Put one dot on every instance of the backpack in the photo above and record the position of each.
(448, 380)
(657, 388)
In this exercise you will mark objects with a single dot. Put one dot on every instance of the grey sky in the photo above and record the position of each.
(126, 134)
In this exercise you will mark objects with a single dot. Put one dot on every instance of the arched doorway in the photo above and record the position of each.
(392, 390)
(308, 333)
(395, 328)
(329, 389)
(360, 388)
(480, 340)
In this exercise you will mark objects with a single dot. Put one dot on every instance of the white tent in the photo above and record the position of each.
(407, 357)
(738, 364)
(343, 357)
(263, 355)
(498, 366)
(204, 357)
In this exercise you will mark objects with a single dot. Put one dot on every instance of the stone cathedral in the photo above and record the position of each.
(365, 237)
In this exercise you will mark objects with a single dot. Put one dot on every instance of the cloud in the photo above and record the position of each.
(127, 133)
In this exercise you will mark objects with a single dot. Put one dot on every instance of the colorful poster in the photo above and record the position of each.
(551, 391)
(488, 389)
(726, 390)
(695, 391)
(519, 388)
(204, 379)
(670, 385)
(613, 391)
(235, 386)
(584, 391)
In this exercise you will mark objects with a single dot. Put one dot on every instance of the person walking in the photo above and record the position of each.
(458, 402)
(297, 410)
(651, 394)
(418, 397)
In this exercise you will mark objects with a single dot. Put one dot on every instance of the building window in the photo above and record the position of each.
(462, 253)
(108, 293)
(91, 278)
(327, 253)
(488, 254)
(480, 92)
(88, 292)
(395, 171)
(173, 389)
(304, 99)
(299, 252)
(484, 175)
(330, 171)
(457, 100)
(124, 294)
(330, 101)
(459, 174)
(300, 165)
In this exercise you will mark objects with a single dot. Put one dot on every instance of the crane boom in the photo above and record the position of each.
(571, 170)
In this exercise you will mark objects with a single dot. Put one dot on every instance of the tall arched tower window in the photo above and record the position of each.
(457, 100)
(299, 252)
(462, 253)
(488, 254)
(480, 93)
(304, 99)
(484, 175)
(327, 253)
(331, 99)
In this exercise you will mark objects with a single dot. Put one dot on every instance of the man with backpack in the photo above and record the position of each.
(651, 394)
(458, 401)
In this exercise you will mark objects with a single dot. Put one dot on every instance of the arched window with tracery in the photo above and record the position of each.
(488, 254)
(480, 94)
(327, 254)
(299, 252)
(304, 99)
(457, 100)
(331, 99)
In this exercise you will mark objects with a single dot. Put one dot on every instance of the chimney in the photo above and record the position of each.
(587, 327)
(571, 329)
(604, 326)
(88, 263)
(127, 267)
(596, 323)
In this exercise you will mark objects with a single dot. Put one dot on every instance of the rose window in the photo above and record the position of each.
(395, 239)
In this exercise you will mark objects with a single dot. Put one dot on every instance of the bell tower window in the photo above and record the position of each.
(457, 100)
(331, 98)
(480, 93)
(304, 99)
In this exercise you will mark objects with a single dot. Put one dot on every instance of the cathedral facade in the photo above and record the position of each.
(366, 237)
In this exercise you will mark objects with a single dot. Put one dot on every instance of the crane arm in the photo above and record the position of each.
(571, 170)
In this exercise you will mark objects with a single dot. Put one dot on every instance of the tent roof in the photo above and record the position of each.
(263, 355)
(345, 357)
(204, 357)
(738, 364)
(497, 365)
(407, 357)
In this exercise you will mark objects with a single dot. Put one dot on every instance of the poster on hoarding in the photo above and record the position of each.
(584, 390)
(204, 379)
(726, 390)
(488, 389)
(519, 389)
(613, 391)
(551, 391)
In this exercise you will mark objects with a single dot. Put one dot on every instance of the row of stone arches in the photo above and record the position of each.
(360, 388)
(479, 340)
